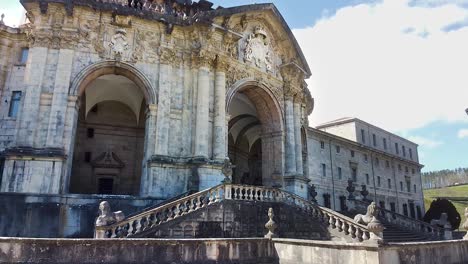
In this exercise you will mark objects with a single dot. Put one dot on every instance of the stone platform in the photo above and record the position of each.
(240, 251)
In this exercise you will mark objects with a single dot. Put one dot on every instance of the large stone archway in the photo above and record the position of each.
(110, 142)
(255, 135)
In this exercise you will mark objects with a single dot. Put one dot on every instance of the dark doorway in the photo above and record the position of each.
(326, 200)
(405, 209)
(343, 206)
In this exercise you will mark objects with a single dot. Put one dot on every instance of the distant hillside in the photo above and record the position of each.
(444, 178)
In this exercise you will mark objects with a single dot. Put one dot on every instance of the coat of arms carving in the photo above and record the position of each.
(119, 45)
(258, 50)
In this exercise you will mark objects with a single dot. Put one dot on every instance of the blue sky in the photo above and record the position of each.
(398, 64)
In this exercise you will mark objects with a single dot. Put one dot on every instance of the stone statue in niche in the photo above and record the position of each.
(258, 50)
(119, 44)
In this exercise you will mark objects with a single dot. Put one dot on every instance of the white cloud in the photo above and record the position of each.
(389, 63)
(425, 142)
(13, 11)
(463, 133)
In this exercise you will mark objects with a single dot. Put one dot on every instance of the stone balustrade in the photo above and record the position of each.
(159, 7)
(407, 223)
(149, 219)
(139, 223)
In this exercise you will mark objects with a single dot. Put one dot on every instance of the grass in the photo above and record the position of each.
(455, 191)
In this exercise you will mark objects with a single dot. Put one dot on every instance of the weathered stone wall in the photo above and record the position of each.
(247, 250)
(71, 216)
(292, 251)
(141, 251)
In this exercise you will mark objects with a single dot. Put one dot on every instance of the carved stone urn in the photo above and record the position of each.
(312, 193)
(364, 192)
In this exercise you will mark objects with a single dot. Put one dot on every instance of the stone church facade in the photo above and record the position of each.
(148, 101)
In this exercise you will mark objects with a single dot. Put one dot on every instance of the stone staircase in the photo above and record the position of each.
(147, 221)
(394, 233)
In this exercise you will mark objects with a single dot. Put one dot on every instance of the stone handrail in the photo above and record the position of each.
(407, 222)
(144, 221)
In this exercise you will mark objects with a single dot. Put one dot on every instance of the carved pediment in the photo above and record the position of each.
(108, 159)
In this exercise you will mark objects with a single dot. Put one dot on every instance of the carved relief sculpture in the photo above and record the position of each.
(258, 51)
(119, 45)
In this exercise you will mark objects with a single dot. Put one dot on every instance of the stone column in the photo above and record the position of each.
(58, 109)
(290, 144)
(219, 125)
(150, 138)
(203, 100)
(298, 134)
(166, 57)
(33, 77)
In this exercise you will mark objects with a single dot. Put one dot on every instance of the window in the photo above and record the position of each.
(406, 169)
(24, 55)
(352, 153)
(384, 143)
(404, 150)
(324, 170)
(374, 140)
(377, 161)
(401, 186)
(87, 157)
(387, 164)
(397, 150)
(399, 167)
(414, 188)
(389, 183)
(378, 181)
(14, 104)
(363, 136)
(367, 178)
(327, 200)
(338, 149)
(90, 132)
(392, 207)
(340, 175)
(412, 171)
(105, 186)
(408, 186)
(322, 145)
(354, 174)
(365, 157)
(410, 154)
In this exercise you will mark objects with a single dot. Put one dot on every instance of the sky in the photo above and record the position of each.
(399, 64)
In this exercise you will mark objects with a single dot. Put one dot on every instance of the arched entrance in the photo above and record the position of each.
(110, 135)
(255, 142)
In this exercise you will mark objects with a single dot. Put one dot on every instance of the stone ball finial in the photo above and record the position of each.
(270, 225)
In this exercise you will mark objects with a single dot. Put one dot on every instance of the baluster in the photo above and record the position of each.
(218, 195)
(113, 232)
(351, 231)
(177, 210)
(338, 224)
(331, 221)
(365, 235)
(358, 234)
(130, 229)
(344, 227)
(251, 196)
